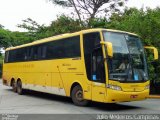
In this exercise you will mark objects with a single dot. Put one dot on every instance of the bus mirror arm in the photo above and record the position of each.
(109, 48)
(155, 51)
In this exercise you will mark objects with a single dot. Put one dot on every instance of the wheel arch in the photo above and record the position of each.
(18, 80)
(73, 85)
(12, 80)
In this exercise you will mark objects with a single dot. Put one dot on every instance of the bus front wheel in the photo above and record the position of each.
(19, 88)
(77, 96)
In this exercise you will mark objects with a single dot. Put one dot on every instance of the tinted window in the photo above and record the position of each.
(6, 56)
(98, 71)
(17, 55)
(90, 42)
(64, 48)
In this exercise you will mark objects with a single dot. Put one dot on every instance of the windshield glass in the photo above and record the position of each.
(128, 62)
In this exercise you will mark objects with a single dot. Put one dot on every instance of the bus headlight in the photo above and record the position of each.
(114, 87)
(147, 86)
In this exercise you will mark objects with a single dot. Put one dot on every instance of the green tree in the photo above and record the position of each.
(19, 38)
(9, 38)
(30, 25)
(5, 38)
(62, 24)
(65, 24)
(91, 8)
(144, 23)
(35, 30)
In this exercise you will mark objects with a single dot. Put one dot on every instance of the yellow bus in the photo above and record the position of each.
(100, 65)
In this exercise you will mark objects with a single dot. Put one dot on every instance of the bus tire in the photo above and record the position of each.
(77, 96)
(14, 86)
(19, 87)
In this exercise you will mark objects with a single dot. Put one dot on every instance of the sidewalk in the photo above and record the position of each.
(154, 96)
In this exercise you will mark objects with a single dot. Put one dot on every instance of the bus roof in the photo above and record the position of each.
(56, 37)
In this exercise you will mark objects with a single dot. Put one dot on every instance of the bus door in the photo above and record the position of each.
(98, 76)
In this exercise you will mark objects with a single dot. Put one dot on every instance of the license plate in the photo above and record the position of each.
(133, 96)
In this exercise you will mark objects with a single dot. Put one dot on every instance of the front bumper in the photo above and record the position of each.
(114, 96)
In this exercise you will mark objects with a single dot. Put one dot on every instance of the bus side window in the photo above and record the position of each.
(39, 52)
(6, 56)
(44, 49)
(42, 52)
(35, 53)
(25, 54)
(30, 53)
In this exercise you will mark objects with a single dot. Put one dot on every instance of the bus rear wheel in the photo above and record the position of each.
(77, 96)
(19, 88)
(14, 87)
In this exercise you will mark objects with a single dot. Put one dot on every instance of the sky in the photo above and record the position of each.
(12, 12)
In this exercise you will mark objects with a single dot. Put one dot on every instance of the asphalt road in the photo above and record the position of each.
(41, 103)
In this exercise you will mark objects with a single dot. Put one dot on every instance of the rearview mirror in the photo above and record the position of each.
(155, 51)
(109, 47)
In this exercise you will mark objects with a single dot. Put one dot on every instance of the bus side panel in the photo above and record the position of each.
(72, 71)
(51, 76)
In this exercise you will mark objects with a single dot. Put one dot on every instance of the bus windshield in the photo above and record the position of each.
(128, 63)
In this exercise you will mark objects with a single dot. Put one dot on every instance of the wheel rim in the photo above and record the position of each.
(79, 95)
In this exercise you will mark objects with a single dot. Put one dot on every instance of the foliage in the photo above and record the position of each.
(145, 23)
(63, 24)
(91, 8)
(4, 38)
(8, 38)
(30, 25)
(1, 59)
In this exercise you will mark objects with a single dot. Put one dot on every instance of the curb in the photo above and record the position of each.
(154, 96)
